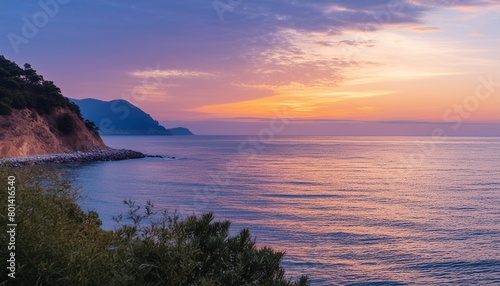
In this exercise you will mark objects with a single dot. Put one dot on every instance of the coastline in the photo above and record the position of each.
(76, 157)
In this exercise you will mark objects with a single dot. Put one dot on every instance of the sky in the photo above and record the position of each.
(282, 67)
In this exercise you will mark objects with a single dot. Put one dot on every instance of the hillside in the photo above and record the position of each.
(36, 119)
(120, 117)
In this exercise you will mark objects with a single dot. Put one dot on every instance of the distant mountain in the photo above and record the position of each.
(119, 117)
(180, 131)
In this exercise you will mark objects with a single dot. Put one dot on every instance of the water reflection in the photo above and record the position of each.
(345, 210)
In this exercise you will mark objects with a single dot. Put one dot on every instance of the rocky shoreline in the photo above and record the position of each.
(77, 157)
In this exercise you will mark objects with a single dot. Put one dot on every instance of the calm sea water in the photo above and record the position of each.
(347, 210)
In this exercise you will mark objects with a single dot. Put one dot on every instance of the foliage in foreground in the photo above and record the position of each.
(59, 244)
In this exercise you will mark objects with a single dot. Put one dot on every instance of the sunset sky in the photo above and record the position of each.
(229, 66)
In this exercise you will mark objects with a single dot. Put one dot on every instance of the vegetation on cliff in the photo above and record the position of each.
(36, 119)
(24, 88)
(57, 243)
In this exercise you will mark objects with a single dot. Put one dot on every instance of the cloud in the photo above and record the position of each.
(169, 74)
(300, 101)
(263, 43)
(475, 34)
(454, 3)
(425, 29)
(284, 41)
(266, 45)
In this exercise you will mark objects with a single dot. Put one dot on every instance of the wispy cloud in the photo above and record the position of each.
(169, 74)
(265, 54)
(300, 101)
(425, 29)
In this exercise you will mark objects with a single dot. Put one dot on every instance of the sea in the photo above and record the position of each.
(345, 210)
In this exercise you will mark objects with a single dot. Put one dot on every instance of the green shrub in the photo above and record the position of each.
(66, 124)
(59, 244)
(5, 109)
(195, 251)
(56, 242)
(91, 126)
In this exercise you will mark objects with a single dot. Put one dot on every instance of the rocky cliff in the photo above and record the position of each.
(36, 119)
(25, 133)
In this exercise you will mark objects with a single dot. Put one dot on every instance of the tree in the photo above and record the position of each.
(66, 124)
(91, 126)
(5, 109)
(31, 76)
(25, 88)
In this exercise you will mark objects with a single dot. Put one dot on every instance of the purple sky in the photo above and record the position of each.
(342, 67)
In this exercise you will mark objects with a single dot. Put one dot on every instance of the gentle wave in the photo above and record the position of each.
(346, 210)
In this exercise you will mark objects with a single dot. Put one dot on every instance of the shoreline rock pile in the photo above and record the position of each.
(77, 157)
